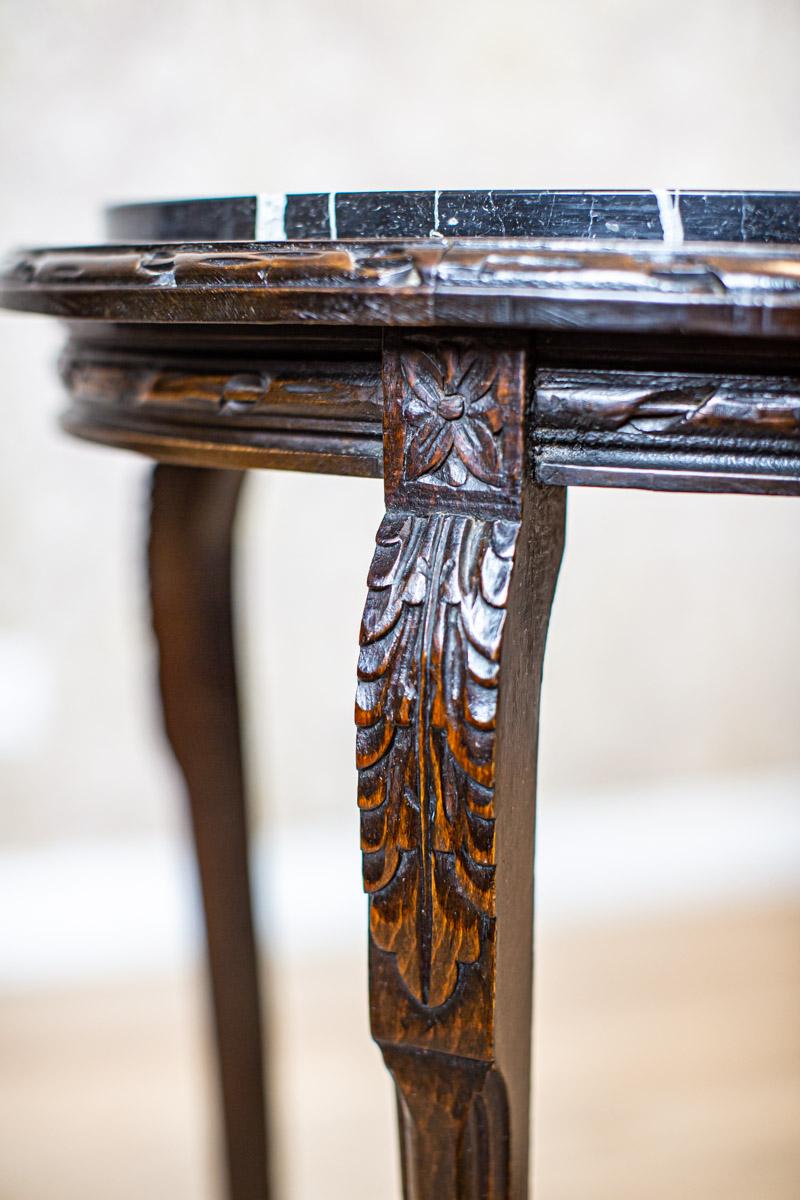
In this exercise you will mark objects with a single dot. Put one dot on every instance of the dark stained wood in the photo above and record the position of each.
(201, 374)
(756, 476)
(653, 403)
(452, 422)
(452, 644)
(259, 410)
(335, 395)
(442, 1152)
(668, 430)
(191, 524)
(235, 449)
(699, 419)
(734, 290)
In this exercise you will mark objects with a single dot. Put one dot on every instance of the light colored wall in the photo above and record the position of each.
(675, 643)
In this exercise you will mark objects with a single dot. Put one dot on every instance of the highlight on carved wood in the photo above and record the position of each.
(688, 431)
(425, 710)
(270, 391)
(453, 426)
(653, 403)
(453, 416)
(305, 276)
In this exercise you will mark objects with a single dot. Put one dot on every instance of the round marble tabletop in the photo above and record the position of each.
(658, 329)
(660, 261)
(656, 214)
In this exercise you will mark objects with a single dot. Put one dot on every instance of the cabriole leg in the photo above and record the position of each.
(452, 643)
(192, 517)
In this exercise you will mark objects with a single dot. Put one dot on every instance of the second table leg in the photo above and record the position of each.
(192, 516)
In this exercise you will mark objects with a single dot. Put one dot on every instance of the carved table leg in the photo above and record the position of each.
(452, 644)
(190, 576)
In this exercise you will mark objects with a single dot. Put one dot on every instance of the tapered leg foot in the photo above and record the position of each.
(192, 518)
(448, 1145)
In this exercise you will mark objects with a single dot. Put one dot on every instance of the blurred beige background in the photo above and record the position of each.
(670, 750)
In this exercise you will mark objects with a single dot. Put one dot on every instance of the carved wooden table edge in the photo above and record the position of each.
(159, 359)
(734, 288)
(479, 377)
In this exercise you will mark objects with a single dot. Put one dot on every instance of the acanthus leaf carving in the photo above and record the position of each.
(425, 710)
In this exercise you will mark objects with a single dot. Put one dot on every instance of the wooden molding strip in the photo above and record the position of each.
(668, 430)
(730, 289)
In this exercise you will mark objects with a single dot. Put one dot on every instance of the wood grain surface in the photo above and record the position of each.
(452, 642)
(739, 290)
(191, 524)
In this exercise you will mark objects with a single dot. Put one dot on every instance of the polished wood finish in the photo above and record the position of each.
(452, 644)
(640, 410)
(669, 430)
(215, 396)
(734, 290)
(191, 525)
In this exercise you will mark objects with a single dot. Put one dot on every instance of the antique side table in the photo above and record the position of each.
(482, 351)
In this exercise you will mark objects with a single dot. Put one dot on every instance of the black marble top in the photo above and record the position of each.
(667, 215)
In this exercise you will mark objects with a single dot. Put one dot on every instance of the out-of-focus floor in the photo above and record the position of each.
(668, 1066)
